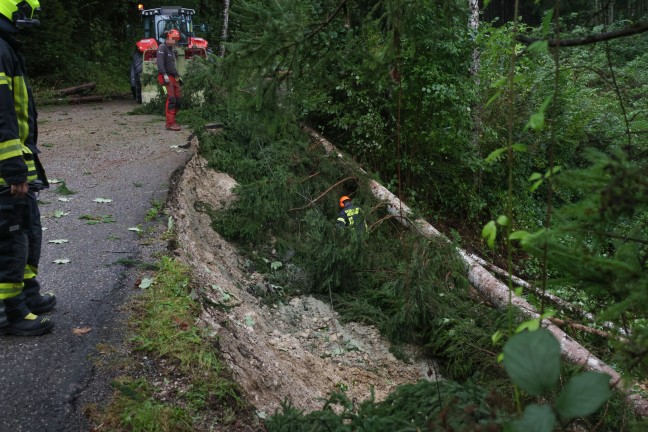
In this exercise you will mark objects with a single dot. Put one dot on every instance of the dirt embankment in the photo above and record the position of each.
(297, 351)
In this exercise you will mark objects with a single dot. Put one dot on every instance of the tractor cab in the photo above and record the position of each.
(157, 22)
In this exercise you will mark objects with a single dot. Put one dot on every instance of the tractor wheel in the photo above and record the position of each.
(135, 75)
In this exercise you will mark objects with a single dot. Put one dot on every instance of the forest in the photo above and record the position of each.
(517, 128)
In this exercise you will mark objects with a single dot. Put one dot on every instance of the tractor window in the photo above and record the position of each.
(149, 27)
(183, 26)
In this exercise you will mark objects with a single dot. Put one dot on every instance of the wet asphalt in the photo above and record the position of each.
(100, 151)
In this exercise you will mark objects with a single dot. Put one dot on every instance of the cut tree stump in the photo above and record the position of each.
(497, 292)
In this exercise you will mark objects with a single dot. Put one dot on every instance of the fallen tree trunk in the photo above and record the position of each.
(551, 297)
(497, 292)
(77, 89)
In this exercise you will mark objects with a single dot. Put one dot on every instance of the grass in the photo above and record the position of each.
(175, 379)
(156, 209)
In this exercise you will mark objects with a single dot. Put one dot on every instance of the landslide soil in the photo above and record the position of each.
(296, 350)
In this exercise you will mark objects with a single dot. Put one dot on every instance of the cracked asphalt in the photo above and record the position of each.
(99, 151)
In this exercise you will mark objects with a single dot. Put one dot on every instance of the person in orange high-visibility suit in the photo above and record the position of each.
(169, 78)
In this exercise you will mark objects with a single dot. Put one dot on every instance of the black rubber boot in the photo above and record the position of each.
(20, 322)
(37, 303)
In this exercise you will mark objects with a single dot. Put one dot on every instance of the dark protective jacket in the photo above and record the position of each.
(18, 131)
(166, 61)
(351, 216)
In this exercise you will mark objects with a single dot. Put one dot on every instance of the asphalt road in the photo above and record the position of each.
(100, 152)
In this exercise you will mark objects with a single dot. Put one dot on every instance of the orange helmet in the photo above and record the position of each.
(342, 199)
(173, 34)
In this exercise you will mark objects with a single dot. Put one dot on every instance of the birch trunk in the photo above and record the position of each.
(226, 7)
(496, 291)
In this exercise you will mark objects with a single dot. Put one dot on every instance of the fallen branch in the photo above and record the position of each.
(638, 28)
(584, 328)
(323, 193)
(496, 291)
(76, 89)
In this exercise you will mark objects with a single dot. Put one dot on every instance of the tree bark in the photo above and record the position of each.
(77, 89)
(496, 291)
(226, 7)
(552, 298)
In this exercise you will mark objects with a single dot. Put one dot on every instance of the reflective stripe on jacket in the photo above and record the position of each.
(351, 216)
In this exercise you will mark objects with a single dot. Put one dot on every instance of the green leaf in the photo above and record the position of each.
(531, 325)
(274, 265)
(536, 418)
(546, 22)
(583, 394)
(553, 171)
(532, 361)
(518, 291)
(495, 154)
(489, 232)
(61, 261)
(519, 148)
(59, 241)
(502, 220)
(548, 314)
(535, 176)
(522, 236)
(102, 200)
(496, 337)
(539, 47)
(536, 185)
(486, 3)
(536, 122)
(146, 282)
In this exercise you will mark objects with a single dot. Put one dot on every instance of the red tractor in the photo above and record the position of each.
(157, 22)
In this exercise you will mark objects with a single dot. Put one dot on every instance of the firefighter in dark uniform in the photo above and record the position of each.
(351, 215)
(21, 177)
(169, 78)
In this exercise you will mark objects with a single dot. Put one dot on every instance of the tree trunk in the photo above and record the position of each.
(476, 114)
(77, 89)
(496, 291)
(552, 298)
(226, 7)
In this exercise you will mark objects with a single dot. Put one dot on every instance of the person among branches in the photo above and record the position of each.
(169, 78)
(21, 178)
(350, 215)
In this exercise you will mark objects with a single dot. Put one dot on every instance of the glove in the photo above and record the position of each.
(166, 79)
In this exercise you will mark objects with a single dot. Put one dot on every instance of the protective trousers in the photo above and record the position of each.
(173, 100)
(15, 226)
